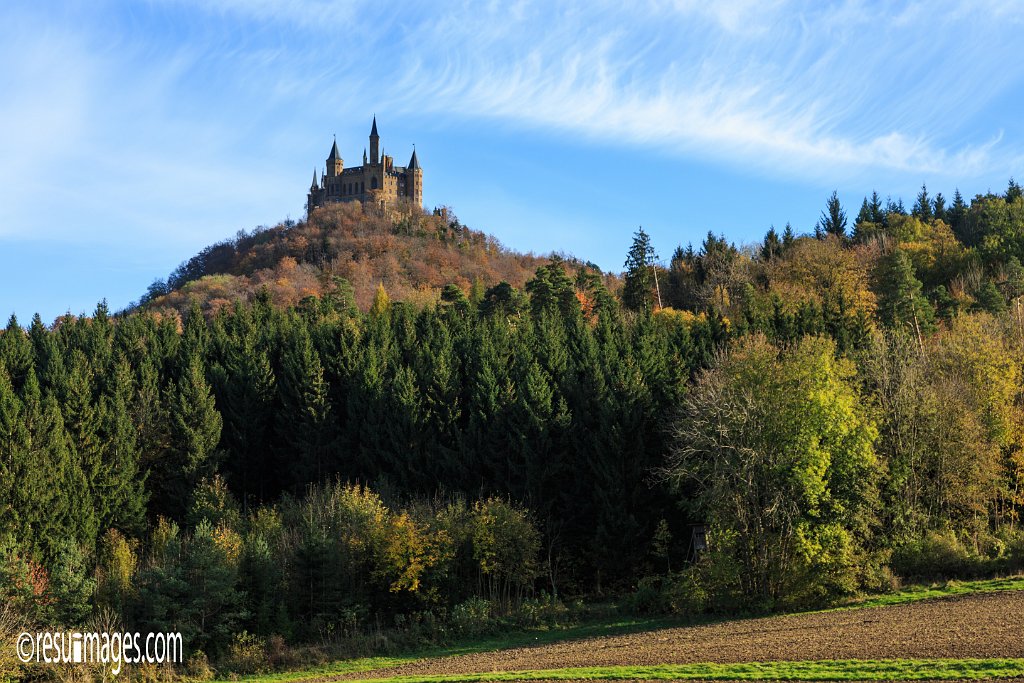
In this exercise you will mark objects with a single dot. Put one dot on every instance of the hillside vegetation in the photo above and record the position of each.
(284, 475)
(412, 255)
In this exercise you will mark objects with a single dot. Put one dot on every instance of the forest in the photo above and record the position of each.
(748, 428)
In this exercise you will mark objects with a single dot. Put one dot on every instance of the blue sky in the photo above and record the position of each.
(132, 134)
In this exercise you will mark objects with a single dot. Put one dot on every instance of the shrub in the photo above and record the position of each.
(247, 654)
(472, 617)
(939, 555)
(197, 667)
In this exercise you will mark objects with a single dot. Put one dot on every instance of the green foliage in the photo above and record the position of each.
(638, 293)
(900, 302)
(784, 452)
(833, 218)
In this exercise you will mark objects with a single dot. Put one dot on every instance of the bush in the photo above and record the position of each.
(939, 555)
(472, 617)
(197, 667)
(247, 654)
(682, 593)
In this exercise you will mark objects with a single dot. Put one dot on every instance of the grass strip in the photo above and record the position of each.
(837, 670)
(947, 589)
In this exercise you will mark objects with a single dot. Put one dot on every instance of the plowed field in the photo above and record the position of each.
(983, 625)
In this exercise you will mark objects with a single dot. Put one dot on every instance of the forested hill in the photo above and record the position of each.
(344, 247)
(837, 411)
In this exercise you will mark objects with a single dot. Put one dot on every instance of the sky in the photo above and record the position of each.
(134, 133)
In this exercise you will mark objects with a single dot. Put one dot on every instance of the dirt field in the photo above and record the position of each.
(980, 625)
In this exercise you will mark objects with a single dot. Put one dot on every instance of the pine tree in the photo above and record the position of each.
(788, 237)
(958, 217)
(638, 292)
(195, 433)
(245, 384)
(833, 218)
(772, 245)
(923, 206)
(1013, 191)
(305, 424)
(125, 487)
(16, 352)
(900, 302)
(939, 207)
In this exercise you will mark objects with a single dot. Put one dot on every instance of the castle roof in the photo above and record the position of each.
(373, 131)
(334, 152)
(414, 162)
(314, 186)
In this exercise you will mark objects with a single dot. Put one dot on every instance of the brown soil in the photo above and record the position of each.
(981, 625)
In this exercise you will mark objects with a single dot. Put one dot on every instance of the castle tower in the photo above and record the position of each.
(313, 198)
(335, 165)
(374, 143)
(414, 179)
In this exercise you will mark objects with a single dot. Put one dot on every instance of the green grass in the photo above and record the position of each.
(848, 670)
(950, 588)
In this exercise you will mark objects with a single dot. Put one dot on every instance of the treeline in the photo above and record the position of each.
(829, 412)
(552, 399)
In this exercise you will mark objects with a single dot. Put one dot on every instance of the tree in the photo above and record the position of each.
(1013, 191)
(772, 245)
(638, 293)
(833, 218)
(307, 431)
(787, 511)
(923, 206)
(900, 303)
(195, 433)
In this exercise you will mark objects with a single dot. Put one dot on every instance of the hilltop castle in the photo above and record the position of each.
(378, 180)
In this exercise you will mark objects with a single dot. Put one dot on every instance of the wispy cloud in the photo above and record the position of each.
(783, 86)
(174, 91)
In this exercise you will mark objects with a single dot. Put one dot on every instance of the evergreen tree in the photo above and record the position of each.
(923, 206)
(900, 303)
(958, 217)
(195, 433)
(772, 245)
(788, 237)
(833, 218)
(306, 431)
(638, 293)
(1013, 191)
(939, 208)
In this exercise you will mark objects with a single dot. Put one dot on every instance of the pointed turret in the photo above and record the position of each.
(414, 179)
(335, 164)
(314, 187)
(374, 143)
(364, 156)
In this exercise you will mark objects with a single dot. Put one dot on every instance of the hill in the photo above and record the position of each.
(340, 246)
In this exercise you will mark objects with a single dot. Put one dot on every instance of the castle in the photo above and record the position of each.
(378, 180)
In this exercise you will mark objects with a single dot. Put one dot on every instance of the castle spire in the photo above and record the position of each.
(335, 164)
(414, 163)
(374, 143)
(314, 187)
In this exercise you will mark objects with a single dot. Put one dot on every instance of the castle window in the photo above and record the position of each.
(362, 187)
(373, 183)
